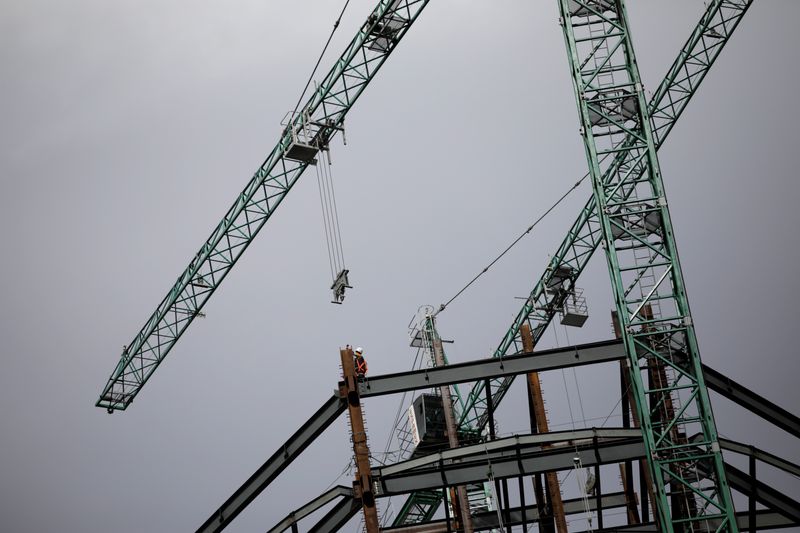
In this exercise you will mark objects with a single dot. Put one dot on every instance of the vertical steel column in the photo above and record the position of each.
(598, 494)
(362, 486)
(537, 399)
(521, 489)
(751, 500)
(490, 415)
(643, 261)
(462, 502)
(446, 509)
(626, 469)
(546, 523)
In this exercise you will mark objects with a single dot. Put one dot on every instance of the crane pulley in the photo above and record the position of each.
(311, 145)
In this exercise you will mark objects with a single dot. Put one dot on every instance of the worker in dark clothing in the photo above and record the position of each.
(361, 363)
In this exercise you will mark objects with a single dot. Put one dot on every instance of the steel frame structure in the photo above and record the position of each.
(490, 368)
(627, 214)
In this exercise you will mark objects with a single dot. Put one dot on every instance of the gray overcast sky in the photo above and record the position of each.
(129, 127)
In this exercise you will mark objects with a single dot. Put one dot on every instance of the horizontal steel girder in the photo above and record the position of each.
(514, 516)
(751, 401)
(540, 361)
(765, 520)
(761, 455)
(510, 457)
(529, 454)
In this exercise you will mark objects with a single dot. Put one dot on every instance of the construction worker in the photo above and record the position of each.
(361, 363)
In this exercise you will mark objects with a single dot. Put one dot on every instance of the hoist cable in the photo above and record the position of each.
(319, 60)
(327, 215)
(325, 222)
(577, 385)
(330, 215)
(335, 212)
(443, 306)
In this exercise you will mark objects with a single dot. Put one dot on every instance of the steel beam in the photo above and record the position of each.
(584, 354)
(751, 401)
(747, 485)
(539, 424)
(279, 460)
(363, 485)
(765, 520)
(763, 493)
(462, 510)
(337, 517)
(516, 516)
(315, 504)
(529, 454)
(761, 455)
(509, 457)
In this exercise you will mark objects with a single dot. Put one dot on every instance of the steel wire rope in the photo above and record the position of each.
(335, 208)
(325, 222)
(337, 478)
(321, 55)
(603, 424)
(330, 214)
(327, 215)
(294, 112)
(443, 306)
(577, 385)
(566, 388)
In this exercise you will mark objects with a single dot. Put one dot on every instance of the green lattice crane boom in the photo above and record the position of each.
(309, 131)
(646, 276)
(707, 40)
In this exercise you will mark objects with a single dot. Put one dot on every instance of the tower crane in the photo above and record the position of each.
(707, 40)
(306, 134)
(627, 215)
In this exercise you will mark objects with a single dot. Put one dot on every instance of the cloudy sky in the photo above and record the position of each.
(129, 127)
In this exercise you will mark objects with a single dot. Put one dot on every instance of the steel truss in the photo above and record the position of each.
(622, 135)
(695, 59)
(492, 368)
(308, 132)
(707, 40)
(646, 276)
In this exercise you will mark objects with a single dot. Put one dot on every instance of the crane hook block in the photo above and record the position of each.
(339, 285)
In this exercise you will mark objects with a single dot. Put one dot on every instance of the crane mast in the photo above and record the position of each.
(695, 59)
(684, 77)
(646, 276)
(307, 132)
(627, 215)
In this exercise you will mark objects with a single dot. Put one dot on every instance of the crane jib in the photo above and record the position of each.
(324, 114)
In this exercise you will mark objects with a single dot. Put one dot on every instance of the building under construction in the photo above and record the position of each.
(659, 464)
